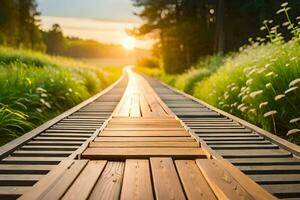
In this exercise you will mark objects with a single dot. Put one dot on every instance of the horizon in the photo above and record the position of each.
(92, 19)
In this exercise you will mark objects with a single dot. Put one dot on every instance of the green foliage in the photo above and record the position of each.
(35, 87)
(260, 83)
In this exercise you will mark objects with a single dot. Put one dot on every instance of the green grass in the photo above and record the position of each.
(35, 87)
(260, 83)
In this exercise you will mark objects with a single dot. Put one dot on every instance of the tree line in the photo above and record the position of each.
(190, 29)
(20, 28)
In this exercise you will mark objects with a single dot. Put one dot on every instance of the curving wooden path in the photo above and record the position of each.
(140, 139)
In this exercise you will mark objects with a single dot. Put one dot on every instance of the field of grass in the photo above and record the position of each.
(260, 83)
(35, 87)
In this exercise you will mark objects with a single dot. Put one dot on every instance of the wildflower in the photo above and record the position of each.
(294, 82)
(40, 90)
(272, 112)
(243, 109)
(255, 93)
(263, 104)
(244, 97)
(234, 88)
(291, 89)
(284, 4)
(39, 110)
(253, 110)
(293, 131)
(249, 81)
(240, 106)
(269, 74)
(295, 120)
(278, 97)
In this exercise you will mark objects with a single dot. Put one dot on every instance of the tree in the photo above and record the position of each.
(54, 40)
(8, 22)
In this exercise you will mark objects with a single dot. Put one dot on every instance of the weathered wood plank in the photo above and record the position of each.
(109, 184)
(194, 183)
(84, 184)
(144, 139)
(165, 179)
(137, 181)
(144, 133)
(121, 153)
(142, 144)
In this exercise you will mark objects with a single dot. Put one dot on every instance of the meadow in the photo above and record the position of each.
(259, 83)
(35, 87)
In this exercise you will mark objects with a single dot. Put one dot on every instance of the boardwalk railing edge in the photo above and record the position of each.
(293, 148)
(6, 149)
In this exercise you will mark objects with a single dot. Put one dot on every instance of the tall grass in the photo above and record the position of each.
(260, 83)
(35, 87)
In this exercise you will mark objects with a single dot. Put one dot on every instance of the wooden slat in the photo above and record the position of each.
(229, 183)
(165, 179)
(137, 181)
(109, 184)
(54, 185)
(84, 184)
(144, 133)
(194, 183)
(143, 144)
(120, 153)
(144, 139)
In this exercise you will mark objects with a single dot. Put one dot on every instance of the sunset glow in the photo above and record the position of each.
(128, 43)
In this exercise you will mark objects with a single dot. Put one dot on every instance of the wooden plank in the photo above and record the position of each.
(284, 169)
(135, 106)
(20, 177)
(283, 190)
(261, 161)
(165, 179)
(221, 181)
(231, 176)
(275, 178)
(152, 128)
(109, 184)
(137, 181)
(144, 139)
(194, 183)
(144, 133)
(143, 144)
(13, 191)
(260, 153)
(120, 153)
(84, 184)
(25, 169)
(55, 184)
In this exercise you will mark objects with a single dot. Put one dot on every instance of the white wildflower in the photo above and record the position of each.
(291, 89)
(268, 85)
(269, 74)
(293, 131)
(295, 120)
(263, 104)
(278, 97)
(272, 112)
(255, 93)
(294, 82)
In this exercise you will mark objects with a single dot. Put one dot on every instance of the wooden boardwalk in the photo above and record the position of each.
(140, 139)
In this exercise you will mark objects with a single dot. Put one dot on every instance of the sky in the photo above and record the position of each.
(103, 20)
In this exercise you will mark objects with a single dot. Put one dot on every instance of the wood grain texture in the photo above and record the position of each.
(84, 184)
(194, 183)
(137, 181)
(126, 153)
(109, 184)
(165, 179)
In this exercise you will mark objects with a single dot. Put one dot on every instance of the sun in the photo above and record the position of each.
(128, 43)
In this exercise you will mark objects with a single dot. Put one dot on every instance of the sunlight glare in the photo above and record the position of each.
(128, 43)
